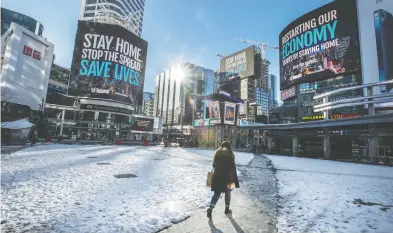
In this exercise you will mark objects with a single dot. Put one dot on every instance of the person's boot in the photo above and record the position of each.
(209, 212)
(228, 211)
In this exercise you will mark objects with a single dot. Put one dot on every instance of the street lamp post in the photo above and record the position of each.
(181, 113)
(268, 105)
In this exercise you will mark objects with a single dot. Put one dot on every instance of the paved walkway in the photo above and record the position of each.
(253, 205)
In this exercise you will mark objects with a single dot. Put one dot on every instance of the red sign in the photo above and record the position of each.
(348, 115)
(27, 50)
(288, 93)
(37, 55)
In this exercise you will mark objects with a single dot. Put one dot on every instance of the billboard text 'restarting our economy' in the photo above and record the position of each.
(376, 43)
(320, 44)
(109, 62)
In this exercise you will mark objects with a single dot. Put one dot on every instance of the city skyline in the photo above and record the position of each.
(195, 34)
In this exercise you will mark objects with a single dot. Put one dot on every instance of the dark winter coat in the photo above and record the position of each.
(224, 170)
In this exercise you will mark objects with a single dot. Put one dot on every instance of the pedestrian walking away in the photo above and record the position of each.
(224, 177)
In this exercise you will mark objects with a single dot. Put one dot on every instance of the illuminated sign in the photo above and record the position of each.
(229, 117)
(344, 98)
(348, 115)
(288, 93)
(321, 43)
(109, 62)
(202, 122)
(311, 104)
(320, 117)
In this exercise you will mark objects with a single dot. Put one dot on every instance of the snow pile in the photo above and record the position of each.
(19, 124)
(320, 196)
(57, 188)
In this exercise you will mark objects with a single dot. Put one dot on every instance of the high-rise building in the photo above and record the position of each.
(175, 91)
(9, 16)
(126, 13)
(148, 104)
(245, 74)
(274, 90)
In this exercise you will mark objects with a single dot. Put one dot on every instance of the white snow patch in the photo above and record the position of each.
(318, 195)
(57, 188)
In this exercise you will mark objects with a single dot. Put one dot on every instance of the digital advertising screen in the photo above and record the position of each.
(201, 122)
(321, 44)
(229, 117)
(109, 62)
(239, 64)
(232, 88)
(376, 43)
(142, 124)
(214, 112)
(288, 93)
(330, 84)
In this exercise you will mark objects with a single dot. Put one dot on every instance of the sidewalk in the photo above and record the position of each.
(253, 205)
(243, 219)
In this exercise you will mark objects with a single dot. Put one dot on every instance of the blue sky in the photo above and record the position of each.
(179, 30)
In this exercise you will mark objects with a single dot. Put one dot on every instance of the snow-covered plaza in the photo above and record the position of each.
(75, 188)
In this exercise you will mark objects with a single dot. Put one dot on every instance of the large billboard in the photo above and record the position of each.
(232, 87)
(288, 93)
(229, 117)
(214, 112)
(142, 124)
(109, 62)
(330, 84)
(320, 44)
(239, 64)
(376, 42)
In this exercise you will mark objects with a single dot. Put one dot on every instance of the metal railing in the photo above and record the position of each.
(370, 99)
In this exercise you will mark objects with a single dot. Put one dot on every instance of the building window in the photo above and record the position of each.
(88, 15)
(90, 8)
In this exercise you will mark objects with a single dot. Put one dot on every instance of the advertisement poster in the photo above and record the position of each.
(239, 64)
(201, 122)
(229, 117)
(288, 93)
(376, 43)
(142, 124)
(321, 44)
(330, 84)
(214, 112)
(242, 109)
(232, 88)
(109, 62)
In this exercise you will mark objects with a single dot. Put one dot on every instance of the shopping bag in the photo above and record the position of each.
(209, 178)
(231, 186)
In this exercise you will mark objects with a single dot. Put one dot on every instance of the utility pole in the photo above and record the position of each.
(181, 113)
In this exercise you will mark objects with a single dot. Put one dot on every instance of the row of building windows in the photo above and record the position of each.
(169, 97)
(8, 16)
(127, 8)
(87, 15)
